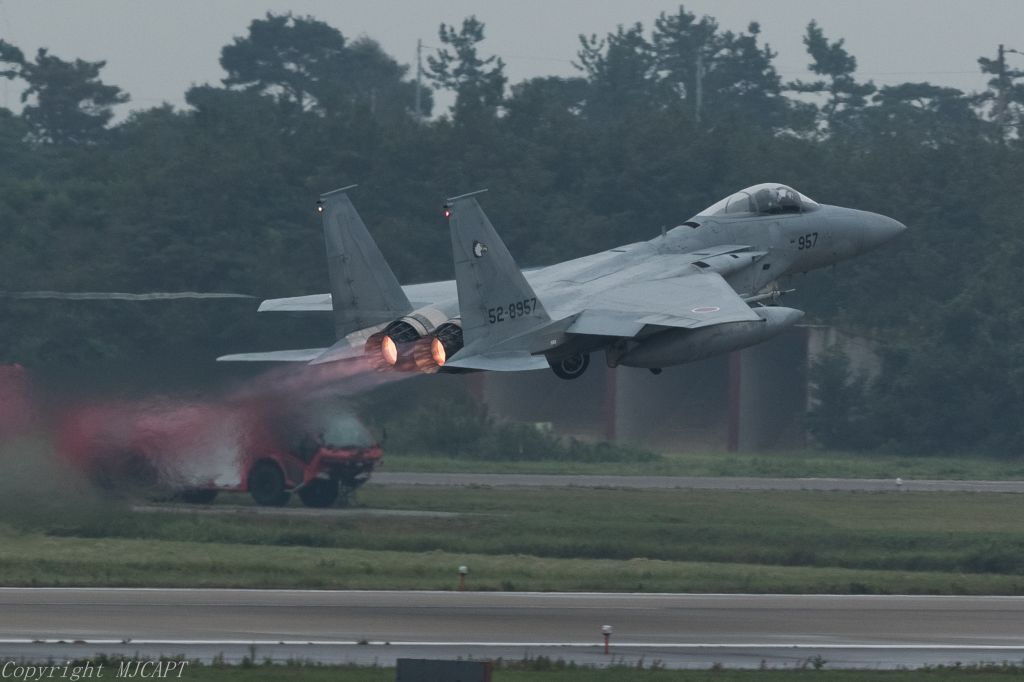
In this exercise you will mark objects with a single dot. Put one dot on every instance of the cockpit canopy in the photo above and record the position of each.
(765, 199)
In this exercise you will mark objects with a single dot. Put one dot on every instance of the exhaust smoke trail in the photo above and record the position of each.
(116, 295)
(159, 444)
(342, 378)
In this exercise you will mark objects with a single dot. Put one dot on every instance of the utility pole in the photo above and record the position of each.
(1004, 80)
(1001, 103)
(419, 78)
(699, 94)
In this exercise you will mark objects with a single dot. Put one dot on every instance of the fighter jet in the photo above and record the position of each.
(706, 287)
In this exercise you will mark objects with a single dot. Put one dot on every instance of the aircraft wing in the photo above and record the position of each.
(689, 301)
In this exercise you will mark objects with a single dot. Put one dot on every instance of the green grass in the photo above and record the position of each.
(35, 560)
(716, 675)
(568, 539)
(803, 463)
(197, 672)
(543, 670)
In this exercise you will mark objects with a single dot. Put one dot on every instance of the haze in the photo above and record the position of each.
(155, 51)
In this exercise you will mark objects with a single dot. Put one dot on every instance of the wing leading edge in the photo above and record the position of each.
(690, 301)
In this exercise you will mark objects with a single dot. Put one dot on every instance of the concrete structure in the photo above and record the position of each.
(754, 399)
(751, 400)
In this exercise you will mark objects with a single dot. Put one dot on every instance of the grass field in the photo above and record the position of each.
(569, 539)
(803, 463)
(544, 671)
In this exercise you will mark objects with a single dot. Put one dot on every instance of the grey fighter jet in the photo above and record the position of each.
(699, 289)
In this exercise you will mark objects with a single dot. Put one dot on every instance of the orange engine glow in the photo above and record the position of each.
(389, 351)
(437, 352)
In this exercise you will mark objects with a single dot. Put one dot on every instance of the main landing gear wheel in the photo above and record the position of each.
(570, 367)
(266, 485)
(319, 492)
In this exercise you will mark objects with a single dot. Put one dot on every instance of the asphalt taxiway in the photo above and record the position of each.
(380, 626)
(694, 482)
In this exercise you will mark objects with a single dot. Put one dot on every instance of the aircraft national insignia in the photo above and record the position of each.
(479, 249)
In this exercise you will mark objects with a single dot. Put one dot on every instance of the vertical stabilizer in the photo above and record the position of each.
(364, 290)
(495, 300)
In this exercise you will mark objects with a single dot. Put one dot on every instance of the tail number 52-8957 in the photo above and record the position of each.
(511, 311)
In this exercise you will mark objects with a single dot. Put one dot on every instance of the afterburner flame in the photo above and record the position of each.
(437, 352)
(389, 350)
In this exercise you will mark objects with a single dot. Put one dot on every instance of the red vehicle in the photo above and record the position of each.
(320, 451)
(16, 409)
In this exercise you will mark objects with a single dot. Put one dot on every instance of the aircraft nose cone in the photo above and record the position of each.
(883, 228)
(886, 228)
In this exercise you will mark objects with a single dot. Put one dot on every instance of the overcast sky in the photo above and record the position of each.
(156, 49)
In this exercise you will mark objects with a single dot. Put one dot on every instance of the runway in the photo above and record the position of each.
(379, 626)
(694, 482)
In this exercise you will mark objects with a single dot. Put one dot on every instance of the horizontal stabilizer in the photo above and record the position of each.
(516, 361)
(420, 295)
(303, 355)
(343, 350)
(297, 304)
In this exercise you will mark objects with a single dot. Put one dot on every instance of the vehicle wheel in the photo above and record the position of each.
(319, 493)
(347, 495)
(571, 367)
(266, 485)
(198, 496)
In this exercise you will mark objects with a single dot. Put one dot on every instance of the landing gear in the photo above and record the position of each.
(570, 367)
(320, 492)
(266, 485)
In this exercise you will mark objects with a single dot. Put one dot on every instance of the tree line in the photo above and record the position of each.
(660, 121)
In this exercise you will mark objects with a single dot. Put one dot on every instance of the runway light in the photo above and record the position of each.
(463, 570)
(389, 350)
(606, 631)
